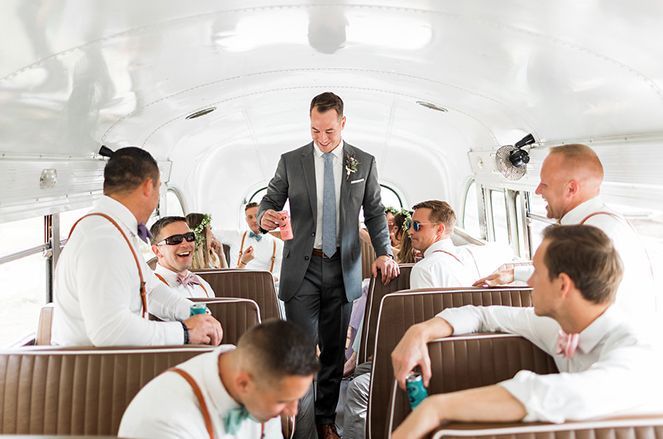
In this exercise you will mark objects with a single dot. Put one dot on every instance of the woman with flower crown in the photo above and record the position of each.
(208, 253)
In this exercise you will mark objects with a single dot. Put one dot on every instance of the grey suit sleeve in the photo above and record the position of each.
(374, 217)
(277, 191)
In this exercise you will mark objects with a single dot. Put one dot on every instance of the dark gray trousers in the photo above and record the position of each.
(321, 308)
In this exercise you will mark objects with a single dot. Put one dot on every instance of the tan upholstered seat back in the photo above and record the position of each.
(376, 291)
(236, 316)
(476, 360)
(77, 391)
(367, 258)
(643, 427)
(45, 325)
(246, 284)
(400, 310)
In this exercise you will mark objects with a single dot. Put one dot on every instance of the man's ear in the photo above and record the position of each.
(147, 187)
(572, 188)
(441, 230)
(243, 381)
(155, 250)
(566, 285)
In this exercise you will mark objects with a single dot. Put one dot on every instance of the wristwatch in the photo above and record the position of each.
(186, 333)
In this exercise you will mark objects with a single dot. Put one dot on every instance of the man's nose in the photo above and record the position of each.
(538, 190)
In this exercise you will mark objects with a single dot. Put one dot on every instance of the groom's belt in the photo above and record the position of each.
(318, 252)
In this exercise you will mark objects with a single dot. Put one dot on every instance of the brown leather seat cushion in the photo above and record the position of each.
(376, 291)
(403, 309)
(236, 316)
(475, 360)
(77, 390)
(246, 284)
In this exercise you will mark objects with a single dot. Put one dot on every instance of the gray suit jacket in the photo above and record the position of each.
(295, 180)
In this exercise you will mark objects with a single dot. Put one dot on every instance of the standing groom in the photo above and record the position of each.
(327, 182)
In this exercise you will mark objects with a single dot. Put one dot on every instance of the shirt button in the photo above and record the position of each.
(313, 235)
(306, 258)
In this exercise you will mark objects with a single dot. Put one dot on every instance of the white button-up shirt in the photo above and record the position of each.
(319, 186)
(97, 288)
(262, 250)
(614, 371)
(637, 294)
(178, 415)
(439, 269)
(203, 290)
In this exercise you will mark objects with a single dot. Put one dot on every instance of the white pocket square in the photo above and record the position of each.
(357, 181)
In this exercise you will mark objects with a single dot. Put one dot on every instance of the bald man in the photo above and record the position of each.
(571, 177)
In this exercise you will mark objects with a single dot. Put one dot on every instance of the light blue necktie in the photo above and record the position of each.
(329, 208)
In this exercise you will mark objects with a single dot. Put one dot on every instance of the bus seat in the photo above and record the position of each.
(628, 427)
(246, 284)
(77, 391)
(376, 291)
(469, 361)
(236, 315)
(367, 258)
(400, 310)
(45, 325)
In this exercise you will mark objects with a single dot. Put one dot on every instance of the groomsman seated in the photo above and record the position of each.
(173, 243)
(606, 367)
(230, 392)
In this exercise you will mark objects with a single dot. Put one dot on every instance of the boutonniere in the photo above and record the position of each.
(351, 164)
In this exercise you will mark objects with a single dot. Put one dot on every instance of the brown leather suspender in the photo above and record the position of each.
(450, 254)
(241, 252)
(585, 219)
(143, 293)
(162, 279)
(199, 396)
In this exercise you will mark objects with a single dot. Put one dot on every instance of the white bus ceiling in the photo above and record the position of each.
(78, 74)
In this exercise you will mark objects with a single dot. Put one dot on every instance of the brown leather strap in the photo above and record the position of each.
(241, 249)
(143, 293)
(271, 266)
(166, 282)
(585, 219)
(199, 395)
(450, 254)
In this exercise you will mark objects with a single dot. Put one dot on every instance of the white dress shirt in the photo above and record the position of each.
(614, 371)
(203, 290)
(319, 187)
(439, 269)
(637, 294)
(97, 291)
(167, 407)
(262, 250)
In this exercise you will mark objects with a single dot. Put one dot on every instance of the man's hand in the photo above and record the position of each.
(503, 275)
(388, 267)
(215, 244)
(424, 419)
(247, 257)
(271, 219)
(204, 329)
(410, 352)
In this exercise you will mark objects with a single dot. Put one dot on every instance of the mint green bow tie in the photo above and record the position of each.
(256, 236)
(232, 420)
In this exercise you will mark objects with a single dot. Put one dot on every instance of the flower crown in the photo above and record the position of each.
(391, 210)
(408, 219)
(198, 231)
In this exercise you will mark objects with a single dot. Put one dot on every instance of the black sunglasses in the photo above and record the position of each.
(416, 225)
(177, 239)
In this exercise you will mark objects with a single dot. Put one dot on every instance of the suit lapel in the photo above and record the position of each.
(345, 184)
(308, 167)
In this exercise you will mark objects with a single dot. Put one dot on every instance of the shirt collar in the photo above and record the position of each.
(337, 152)
(218, 394)
(600, 328)
(443, 244)
(119, 212)
(578, 213)
(168, 274)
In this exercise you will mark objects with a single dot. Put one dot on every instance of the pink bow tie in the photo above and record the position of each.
(188, 279)
(567, 344)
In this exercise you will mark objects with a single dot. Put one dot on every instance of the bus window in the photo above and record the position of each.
(390, 198)
(21, 235)
(67, 220)
(470, 219)
(173, 204)
(500, 225)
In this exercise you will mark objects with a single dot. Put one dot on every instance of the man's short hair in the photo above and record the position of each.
(327, 101)
(279, 349)
(127, 169)
(579, 154)
(441, 213)
(157, 227)
(250, 205)
(586, 254)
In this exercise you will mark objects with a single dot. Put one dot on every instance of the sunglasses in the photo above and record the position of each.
(177, 239)
(416, 225)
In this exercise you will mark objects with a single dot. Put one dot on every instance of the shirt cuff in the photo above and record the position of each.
(522, 272)
(458, 319)
(523, 387)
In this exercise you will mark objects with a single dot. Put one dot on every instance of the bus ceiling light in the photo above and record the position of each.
(432, 106)
(48, 178)
(200, 113)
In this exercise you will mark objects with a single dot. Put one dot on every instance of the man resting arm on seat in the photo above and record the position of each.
(606, 367)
